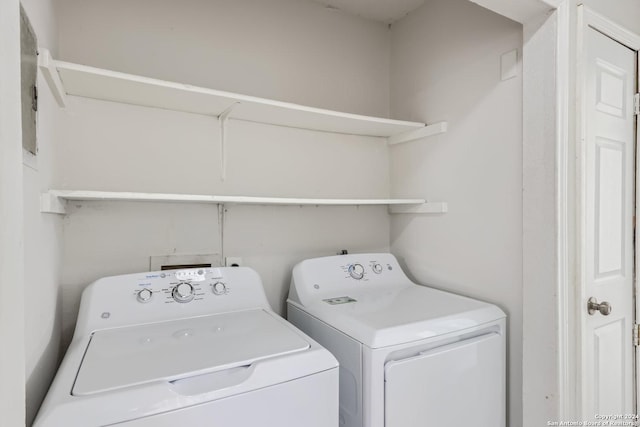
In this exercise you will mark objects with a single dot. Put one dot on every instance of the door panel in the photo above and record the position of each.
(610, 208)
(609, 150)
(431, 389)
(610, 393)
(611, 87)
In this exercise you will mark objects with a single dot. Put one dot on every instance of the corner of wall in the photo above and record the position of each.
(42, 233)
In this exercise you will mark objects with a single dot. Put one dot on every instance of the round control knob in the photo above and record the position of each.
(356, 271)
(144, 295)
(377, 268)
(183, 292)
(219, 288)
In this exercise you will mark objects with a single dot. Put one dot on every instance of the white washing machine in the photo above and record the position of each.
(197, 347)
(410, 355)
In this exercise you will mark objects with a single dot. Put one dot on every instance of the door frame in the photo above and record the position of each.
(586, 19)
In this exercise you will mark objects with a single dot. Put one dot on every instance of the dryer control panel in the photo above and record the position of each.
(364, 269)
(167, 295)
(335, 276)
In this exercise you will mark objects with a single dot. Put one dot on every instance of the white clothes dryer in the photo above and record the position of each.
(195, 347)
(410, 355)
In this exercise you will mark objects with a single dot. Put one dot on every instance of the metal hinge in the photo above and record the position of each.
(636, 334)
(34, 98)
(636, 104)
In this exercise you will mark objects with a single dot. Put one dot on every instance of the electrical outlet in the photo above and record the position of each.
(233, 261)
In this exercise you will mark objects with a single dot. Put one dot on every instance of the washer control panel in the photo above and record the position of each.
(170, 294)
(181, 286)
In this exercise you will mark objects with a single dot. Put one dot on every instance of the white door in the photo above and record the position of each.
(608, 260)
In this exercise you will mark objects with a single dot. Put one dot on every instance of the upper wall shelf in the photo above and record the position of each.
(54, 201)
(66, 78)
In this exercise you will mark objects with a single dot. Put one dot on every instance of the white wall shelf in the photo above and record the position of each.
(47, 66)
(66, 78)
(415, 134)
(96, 83)
(422, 208)
(54, 201)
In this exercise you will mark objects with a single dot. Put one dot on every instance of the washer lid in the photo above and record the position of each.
(123, 357)
(401, 314)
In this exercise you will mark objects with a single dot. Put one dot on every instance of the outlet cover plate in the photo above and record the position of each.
(233, 261)
(157, 261)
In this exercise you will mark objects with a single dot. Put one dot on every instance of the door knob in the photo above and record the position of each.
(592, 306)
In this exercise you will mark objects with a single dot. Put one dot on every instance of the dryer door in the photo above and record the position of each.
(457, 384)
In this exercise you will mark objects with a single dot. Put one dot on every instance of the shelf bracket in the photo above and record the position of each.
(424, 208)
(50, 73)
(51, 203)
(412, 135)
(223, 118)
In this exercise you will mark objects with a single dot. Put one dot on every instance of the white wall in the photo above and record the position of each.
(623, 12)
(42, 233)
(289, 50)
(12, 390)
(111, 146)
(446, 66)
(519, 10)
(311, 232)
(308, 55)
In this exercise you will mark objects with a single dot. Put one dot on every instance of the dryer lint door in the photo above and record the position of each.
(457, 384)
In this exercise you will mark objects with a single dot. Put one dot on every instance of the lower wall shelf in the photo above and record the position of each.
(422, 208)
(54, 201)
